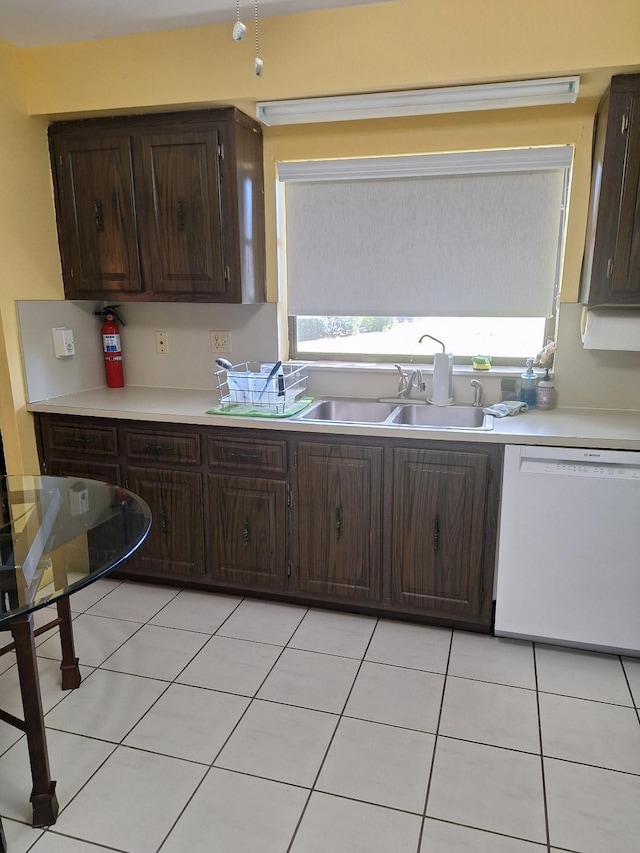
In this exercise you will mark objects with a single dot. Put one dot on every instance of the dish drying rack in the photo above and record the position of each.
(247, 386)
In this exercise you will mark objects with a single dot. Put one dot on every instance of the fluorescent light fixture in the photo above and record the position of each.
(450, 99)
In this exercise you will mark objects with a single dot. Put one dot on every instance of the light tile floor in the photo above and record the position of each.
(220, 724)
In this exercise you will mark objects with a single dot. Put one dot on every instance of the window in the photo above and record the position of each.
(465, 247)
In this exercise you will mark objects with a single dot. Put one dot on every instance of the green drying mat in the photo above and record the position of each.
(248, 411)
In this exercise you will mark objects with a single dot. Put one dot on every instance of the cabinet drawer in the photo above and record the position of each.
(84, 469)
(269, 456)
(168, 447)
(63, 439)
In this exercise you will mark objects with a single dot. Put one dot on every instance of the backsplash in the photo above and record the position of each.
(583, 378)
(189, 363)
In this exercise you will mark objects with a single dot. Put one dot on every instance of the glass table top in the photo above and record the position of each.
(58, 534)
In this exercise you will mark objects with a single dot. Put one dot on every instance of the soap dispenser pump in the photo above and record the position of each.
(528, 381)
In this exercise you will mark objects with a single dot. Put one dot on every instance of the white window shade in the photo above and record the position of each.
(430, 245)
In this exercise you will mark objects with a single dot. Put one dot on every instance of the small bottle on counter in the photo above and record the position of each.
(528, 381)
(545, 392)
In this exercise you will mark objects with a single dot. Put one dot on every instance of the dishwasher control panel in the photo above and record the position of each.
(609, 471)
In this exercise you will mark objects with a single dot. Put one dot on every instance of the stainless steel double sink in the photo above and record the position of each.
(408, 414)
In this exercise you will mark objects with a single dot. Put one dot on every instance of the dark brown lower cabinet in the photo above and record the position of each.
(85, 469)
(339, 520)
(248, 520)
(72, 448)
(386, 526)
(174, 547)
(438, 531)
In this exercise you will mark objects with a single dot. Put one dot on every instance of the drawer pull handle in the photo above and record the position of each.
(244, 456)
(338, 522)
(76, 441)
(436, 533)
(180, 214)
(245, 532)
(98, 217)
(164, 528)
(158, 449)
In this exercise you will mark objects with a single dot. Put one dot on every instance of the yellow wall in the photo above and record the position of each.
(29, 260)
(403, 44)
(381, 46)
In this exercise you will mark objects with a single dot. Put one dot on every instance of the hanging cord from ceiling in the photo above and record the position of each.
(258, 64)
(239, 29)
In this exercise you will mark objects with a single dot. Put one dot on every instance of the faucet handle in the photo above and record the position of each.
(403, 384)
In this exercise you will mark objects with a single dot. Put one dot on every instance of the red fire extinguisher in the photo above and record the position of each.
(112, 350)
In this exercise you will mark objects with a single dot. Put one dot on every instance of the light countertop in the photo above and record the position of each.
(618, 429)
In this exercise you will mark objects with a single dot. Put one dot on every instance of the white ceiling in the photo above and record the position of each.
(32, 23)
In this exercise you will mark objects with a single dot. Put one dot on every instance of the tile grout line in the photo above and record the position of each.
(331, 739)
(626, 678)
(119, 744)
(435, 743)
(116, 745)
(98, 846)
(543, 777)
(238, 721)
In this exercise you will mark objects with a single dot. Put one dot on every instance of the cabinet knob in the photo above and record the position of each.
(244, 457)
(98, 217)
(164, 528)
(338, 522)
(76, 441)
(158, 449)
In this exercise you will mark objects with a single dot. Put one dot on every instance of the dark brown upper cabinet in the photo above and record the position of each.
(611, 272)
(161, 207)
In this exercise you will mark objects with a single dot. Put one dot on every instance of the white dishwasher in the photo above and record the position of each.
(568, 568)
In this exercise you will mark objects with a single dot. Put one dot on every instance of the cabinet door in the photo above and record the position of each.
(248, 530)
(175, 544)
(615, 226)
(437, 537)
(96, 216)
(339, 520)
(180, 189)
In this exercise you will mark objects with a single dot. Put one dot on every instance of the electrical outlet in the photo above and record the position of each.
(220, 342)
(162, 342)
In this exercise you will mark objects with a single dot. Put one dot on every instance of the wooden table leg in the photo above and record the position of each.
(3, 840)
(43, 794)
(71, 677)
